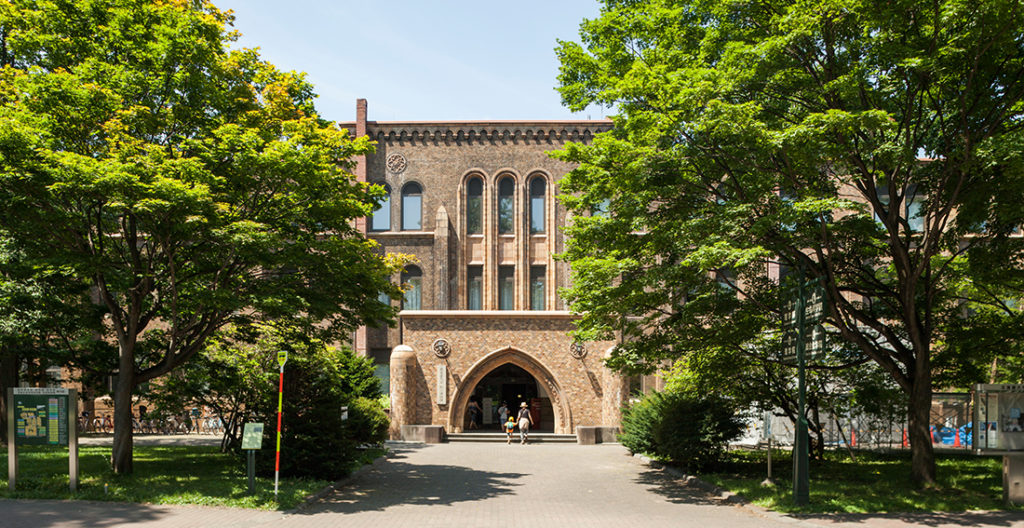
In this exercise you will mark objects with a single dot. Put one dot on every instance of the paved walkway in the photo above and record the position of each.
(493, 485)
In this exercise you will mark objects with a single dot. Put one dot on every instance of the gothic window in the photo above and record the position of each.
(381, 219)
(412, 279)
(506, 205)
(474, 206)
(412, 207)
(537, 283)
(538, 190)
(506, 288)
(475, 288)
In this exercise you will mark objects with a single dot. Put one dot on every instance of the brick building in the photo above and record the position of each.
(482, 321)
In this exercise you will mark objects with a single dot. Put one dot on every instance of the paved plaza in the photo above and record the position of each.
(487, 484)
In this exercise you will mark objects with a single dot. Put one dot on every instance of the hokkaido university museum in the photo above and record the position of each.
(482, 323)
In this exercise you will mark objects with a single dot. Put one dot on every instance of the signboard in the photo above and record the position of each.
(998, 426)
(814, 310)
(41, 416)
(442, 384)
(282, 357)
(252, 435)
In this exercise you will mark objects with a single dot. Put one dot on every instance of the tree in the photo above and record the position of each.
(874, 146)
(188, 185)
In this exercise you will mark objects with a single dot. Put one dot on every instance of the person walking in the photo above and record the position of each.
(503, 412)
(524, 423)
(510, 427)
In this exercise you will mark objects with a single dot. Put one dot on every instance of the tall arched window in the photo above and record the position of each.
(412, 278)
(412, 207)
(506, 205)
(381, 219)
(474, 206)
(538, 191)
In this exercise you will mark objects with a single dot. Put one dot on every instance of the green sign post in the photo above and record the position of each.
(804, 313)
(42, 416)
(252, 440)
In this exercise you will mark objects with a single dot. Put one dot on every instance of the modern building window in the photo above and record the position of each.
(412, 207)
(412, 278)
(381, 219)
(538, 190)
(537, 290)
(506, 288)
(506, 205)
(475, 288)
(475, 206)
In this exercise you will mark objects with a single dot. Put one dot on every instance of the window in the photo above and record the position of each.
(601, 208)
(412, 278)
(506, 288)
(506, 205)
(915, 216)
(883, 196)
(412, 207)
(474, 206)
(537, 282)
(381, 218)
(475, 288)
(538, 190)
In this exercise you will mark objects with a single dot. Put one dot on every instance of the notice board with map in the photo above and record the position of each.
(41, 416)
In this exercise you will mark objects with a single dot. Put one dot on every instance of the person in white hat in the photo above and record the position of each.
(524, 423)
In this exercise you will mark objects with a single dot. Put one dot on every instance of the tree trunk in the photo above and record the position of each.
(8, 378)
(121, 456)
(922, 455)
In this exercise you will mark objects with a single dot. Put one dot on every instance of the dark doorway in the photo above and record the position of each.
(512, 385)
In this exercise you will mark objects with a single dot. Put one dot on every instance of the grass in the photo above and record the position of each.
(163, 475)
(877, 482)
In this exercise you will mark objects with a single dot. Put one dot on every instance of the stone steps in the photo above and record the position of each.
(501, 437)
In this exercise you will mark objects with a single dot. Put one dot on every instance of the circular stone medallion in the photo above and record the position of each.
(441, 347)
(577, 350)
(396, 163)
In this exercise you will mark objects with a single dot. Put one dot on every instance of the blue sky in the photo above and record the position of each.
(421, 60)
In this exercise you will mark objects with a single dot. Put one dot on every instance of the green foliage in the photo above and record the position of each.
(690, 429)
(367, 422)
(178, 180)
(754, 139)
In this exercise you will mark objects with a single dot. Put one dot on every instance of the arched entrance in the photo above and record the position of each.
(521, 375)
(512, 385)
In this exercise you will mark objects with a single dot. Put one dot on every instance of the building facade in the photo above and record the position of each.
(481, 322)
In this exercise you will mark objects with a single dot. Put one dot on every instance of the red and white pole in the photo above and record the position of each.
(282, 358)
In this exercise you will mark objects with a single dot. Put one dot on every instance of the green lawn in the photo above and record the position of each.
(163, 475)
(875, 483)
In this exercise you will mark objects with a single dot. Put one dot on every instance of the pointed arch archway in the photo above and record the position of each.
(476, 373)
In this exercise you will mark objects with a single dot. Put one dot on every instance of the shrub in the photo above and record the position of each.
(690, 429)
(367, 423)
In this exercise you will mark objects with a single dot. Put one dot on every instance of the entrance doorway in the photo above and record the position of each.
(512, 385)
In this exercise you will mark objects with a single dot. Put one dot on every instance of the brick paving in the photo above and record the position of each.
(488, 484)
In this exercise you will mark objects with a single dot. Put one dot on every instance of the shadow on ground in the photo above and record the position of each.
(676, 490)
(944, 519)
(400, 483)
(43, 513)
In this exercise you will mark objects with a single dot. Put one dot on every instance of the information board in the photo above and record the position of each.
(252, 435)
(41, 416)
(998, 425)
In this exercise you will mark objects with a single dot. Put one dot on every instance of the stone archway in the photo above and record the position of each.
(476, 373)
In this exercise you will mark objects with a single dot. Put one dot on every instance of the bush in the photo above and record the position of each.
(367, 423)
(316, 441)
(690, 429)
